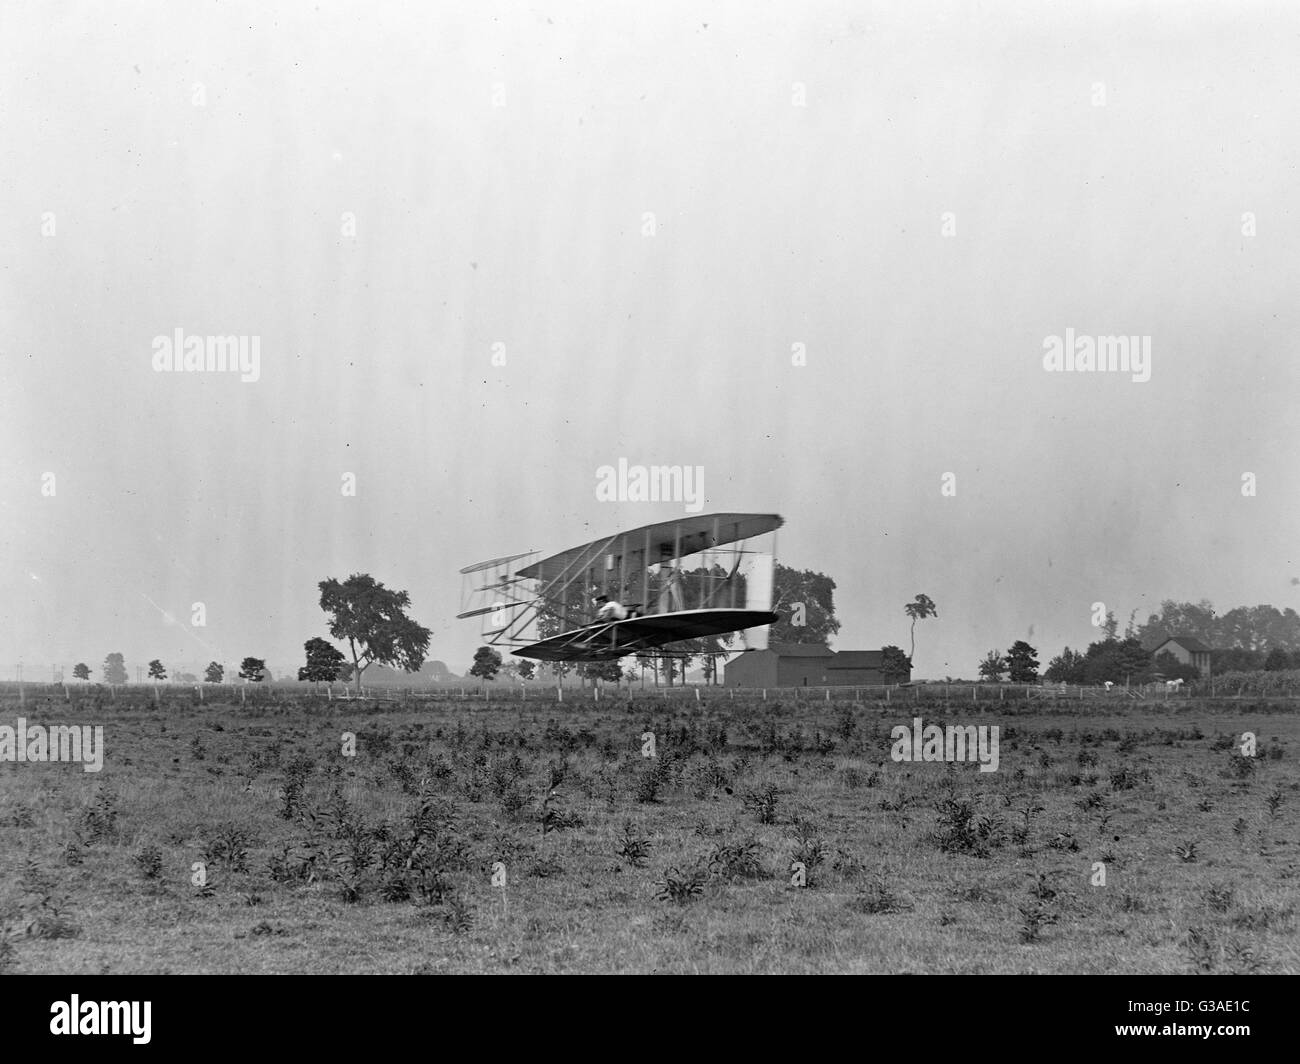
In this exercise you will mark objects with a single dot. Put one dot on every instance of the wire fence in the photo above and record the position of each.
(538, 691)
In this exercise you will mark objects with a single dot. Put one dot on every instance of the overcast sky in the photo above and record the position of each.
(649, 206)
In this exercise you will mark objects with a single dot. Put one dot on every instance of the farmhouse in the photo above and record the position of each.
(796, 665)
(1188, 650)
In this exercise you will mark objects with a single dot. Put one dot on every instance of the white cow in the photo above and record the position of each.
(1109, 684)
(1173, 685)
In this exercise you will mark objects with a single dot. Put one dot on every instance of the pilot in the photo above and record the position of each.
(609, 610)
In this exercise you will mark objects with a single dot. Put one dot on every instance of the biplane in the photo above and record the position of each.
(698, 577)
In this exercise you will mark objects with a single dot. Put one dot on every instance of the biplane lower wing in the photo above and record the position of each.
(615, 639)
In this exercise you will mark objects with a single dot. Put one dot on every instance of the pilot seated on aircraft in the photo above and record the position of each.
(609, 610)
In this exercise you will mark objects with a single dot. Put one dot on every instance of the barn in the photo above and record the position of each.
(1188, 650)
(797, 665)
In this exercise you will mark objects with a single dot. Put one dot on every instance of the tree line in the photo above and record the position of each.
(369, 617)
(1245, 639)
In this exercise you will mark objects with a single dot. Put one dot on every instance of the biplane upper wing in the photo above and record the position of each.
(493, 563)
(615, 639)
(666, 540)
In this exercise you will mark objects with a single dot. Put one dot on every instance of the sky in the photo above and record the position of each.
(818, 250)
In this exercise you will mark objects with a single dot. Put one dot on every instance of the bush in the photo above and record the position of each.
(148, 859)
(681, 886)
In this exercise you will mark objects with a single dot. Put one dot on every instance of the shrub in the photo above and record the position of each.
(228, 844)
(763, 802)
(633, 847)
(731, 861)
(148, 860)
(681, 886)
(960, 829)
(878, 898)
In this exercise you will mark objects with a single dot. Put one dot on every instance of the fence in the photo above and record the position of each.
(274, 693)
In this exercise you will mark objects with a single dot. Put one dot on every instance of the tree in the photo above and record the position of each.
(1253, 628)
(1116, 660)
(323, 661)
(1111, 626)
(1277, 660)
(648, 661)
(156, 670)
(1134, 661)
(487, 662)
(1066, 667)
(993, 666)
(252, 670)
(527, 669)
(1235, 659)
(1103, 661)
(607, 671)
(215, 671)
(81, 671)
(572, 604)
(1180, 618)
(894, 664)
(805, 601)
(919, 609)
(114, 669)
(1022, 663)
(674, 665)
(373, 620)
(711, 651)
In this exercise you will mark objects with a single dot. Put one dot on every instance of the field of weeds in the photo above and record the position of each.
(762, 836)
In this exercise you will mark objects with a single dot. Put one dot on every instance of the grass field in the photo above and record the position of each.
(384, 861)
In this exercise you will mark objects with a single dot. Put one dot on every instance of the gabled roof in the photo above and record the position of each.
(857, 659)
(801, 650)
(1189, 643)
